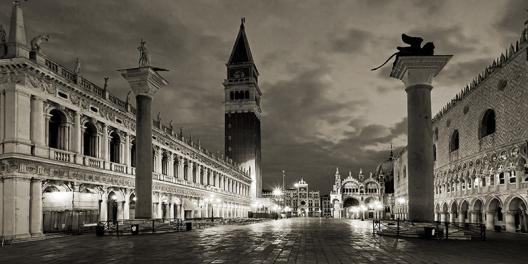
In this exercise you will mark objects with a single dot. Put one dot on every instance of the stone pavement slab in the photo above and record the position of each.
(295, 240)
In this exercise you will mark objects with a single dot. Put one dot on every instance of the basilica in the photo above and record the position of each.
(358, 197)
(480, 149)
(68, 148)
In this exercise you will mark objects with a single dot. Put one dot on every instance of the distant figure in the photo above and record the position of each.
(414, 49)
(144, 60)
(35, 42)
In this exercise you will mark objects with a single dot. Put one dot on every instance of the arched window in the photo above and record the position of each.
(231, 95)
(90, 140)
(434, 152)
(436, 133)
(176, 167)
(246, 94)
(487, 125)
(133, 154)
(115, 147)
(186, 170)
(194, 170)
(56, 130)
(454, 142)
(164, 164)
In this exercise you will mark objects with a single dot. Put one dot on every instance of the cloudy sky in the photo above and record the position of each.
(322, 106)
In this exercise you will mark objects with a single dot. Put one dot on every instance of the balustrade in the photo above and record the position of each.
(61, 155)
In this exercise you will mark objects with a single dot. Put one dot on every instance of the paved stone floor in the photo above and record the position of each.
(298, 240)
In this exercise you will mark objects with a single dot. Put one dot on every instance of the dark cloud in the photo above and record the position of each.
(447, 40)
(316, 101)
(462, 73)
(513, 15)
(350, 41)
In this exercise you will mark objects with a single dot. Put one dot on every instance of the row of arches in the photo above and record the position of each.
(239, 95)
(59, 134)
(509, 214)
(65, 205)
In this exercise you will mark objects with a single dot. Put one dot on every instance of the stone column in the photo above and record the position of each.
(180, 168)
(144, 82)
(198, 173)
(490, 220)
(510, 221)
(77, 136)
(37, 125)
(461, 217)
(170, 165)
(103, 207)
(189, 171)
(35, 227)
(127, 151)
(16, 208)
(104, 143)
(417, 74)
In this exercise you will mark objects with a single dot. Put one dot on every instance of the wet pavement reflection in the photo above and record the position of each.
(295, 240)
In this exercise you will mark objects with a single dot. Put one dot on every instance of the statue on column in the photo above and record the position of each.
(144, 59)
(414, 49)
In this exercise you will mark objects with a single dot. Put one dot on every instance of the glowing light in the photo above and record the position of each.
(363, 208)
(134, 199)
(400, 200)
(277, 192)
(113, 197)
(296, 185)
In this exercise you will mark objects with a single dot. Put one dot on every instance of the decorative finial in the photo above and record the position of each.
(144, 59)
(105, 83)
(37, 41)
(242, 21)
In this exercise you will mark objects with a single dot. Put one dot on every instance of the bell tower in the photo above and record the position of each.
(242, 111)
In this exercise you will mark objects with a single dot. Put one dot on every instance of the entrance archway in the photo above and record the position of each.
(454, 212)
(477, 212)
(463, 214)
(517, 221)
(494, 215)
(132, 207)
(351, 208)
(112, 207)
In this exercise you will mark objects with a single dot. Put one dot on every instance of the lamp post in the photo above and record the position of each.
(210, 201)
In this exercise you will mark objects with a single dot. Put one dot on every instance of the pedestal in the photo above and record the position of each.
(144, 82)
(417, 74)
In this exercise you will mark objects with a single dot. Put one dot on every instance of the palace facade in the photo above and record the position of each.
(68, 155)
(480, 148)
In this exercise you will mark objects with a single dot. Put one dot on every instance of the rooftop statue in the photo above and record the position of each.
(37, 41)
(144, 59)
(414, 49)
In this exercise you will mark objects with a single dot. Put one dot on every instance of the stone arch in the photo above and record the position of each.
(90, 144)
(112, 205)
(445, 208)
(132, 205)
(453, 208)
(517, 219)
(57, 132)
(165, 163)
(115, 147)
(464, 212)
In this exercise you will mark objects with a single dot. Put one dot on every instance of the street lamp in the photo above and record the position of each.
(211, 200)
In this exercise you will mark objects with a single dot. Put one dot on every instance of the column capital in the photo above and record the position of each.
(418, 70)
(144, 81)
